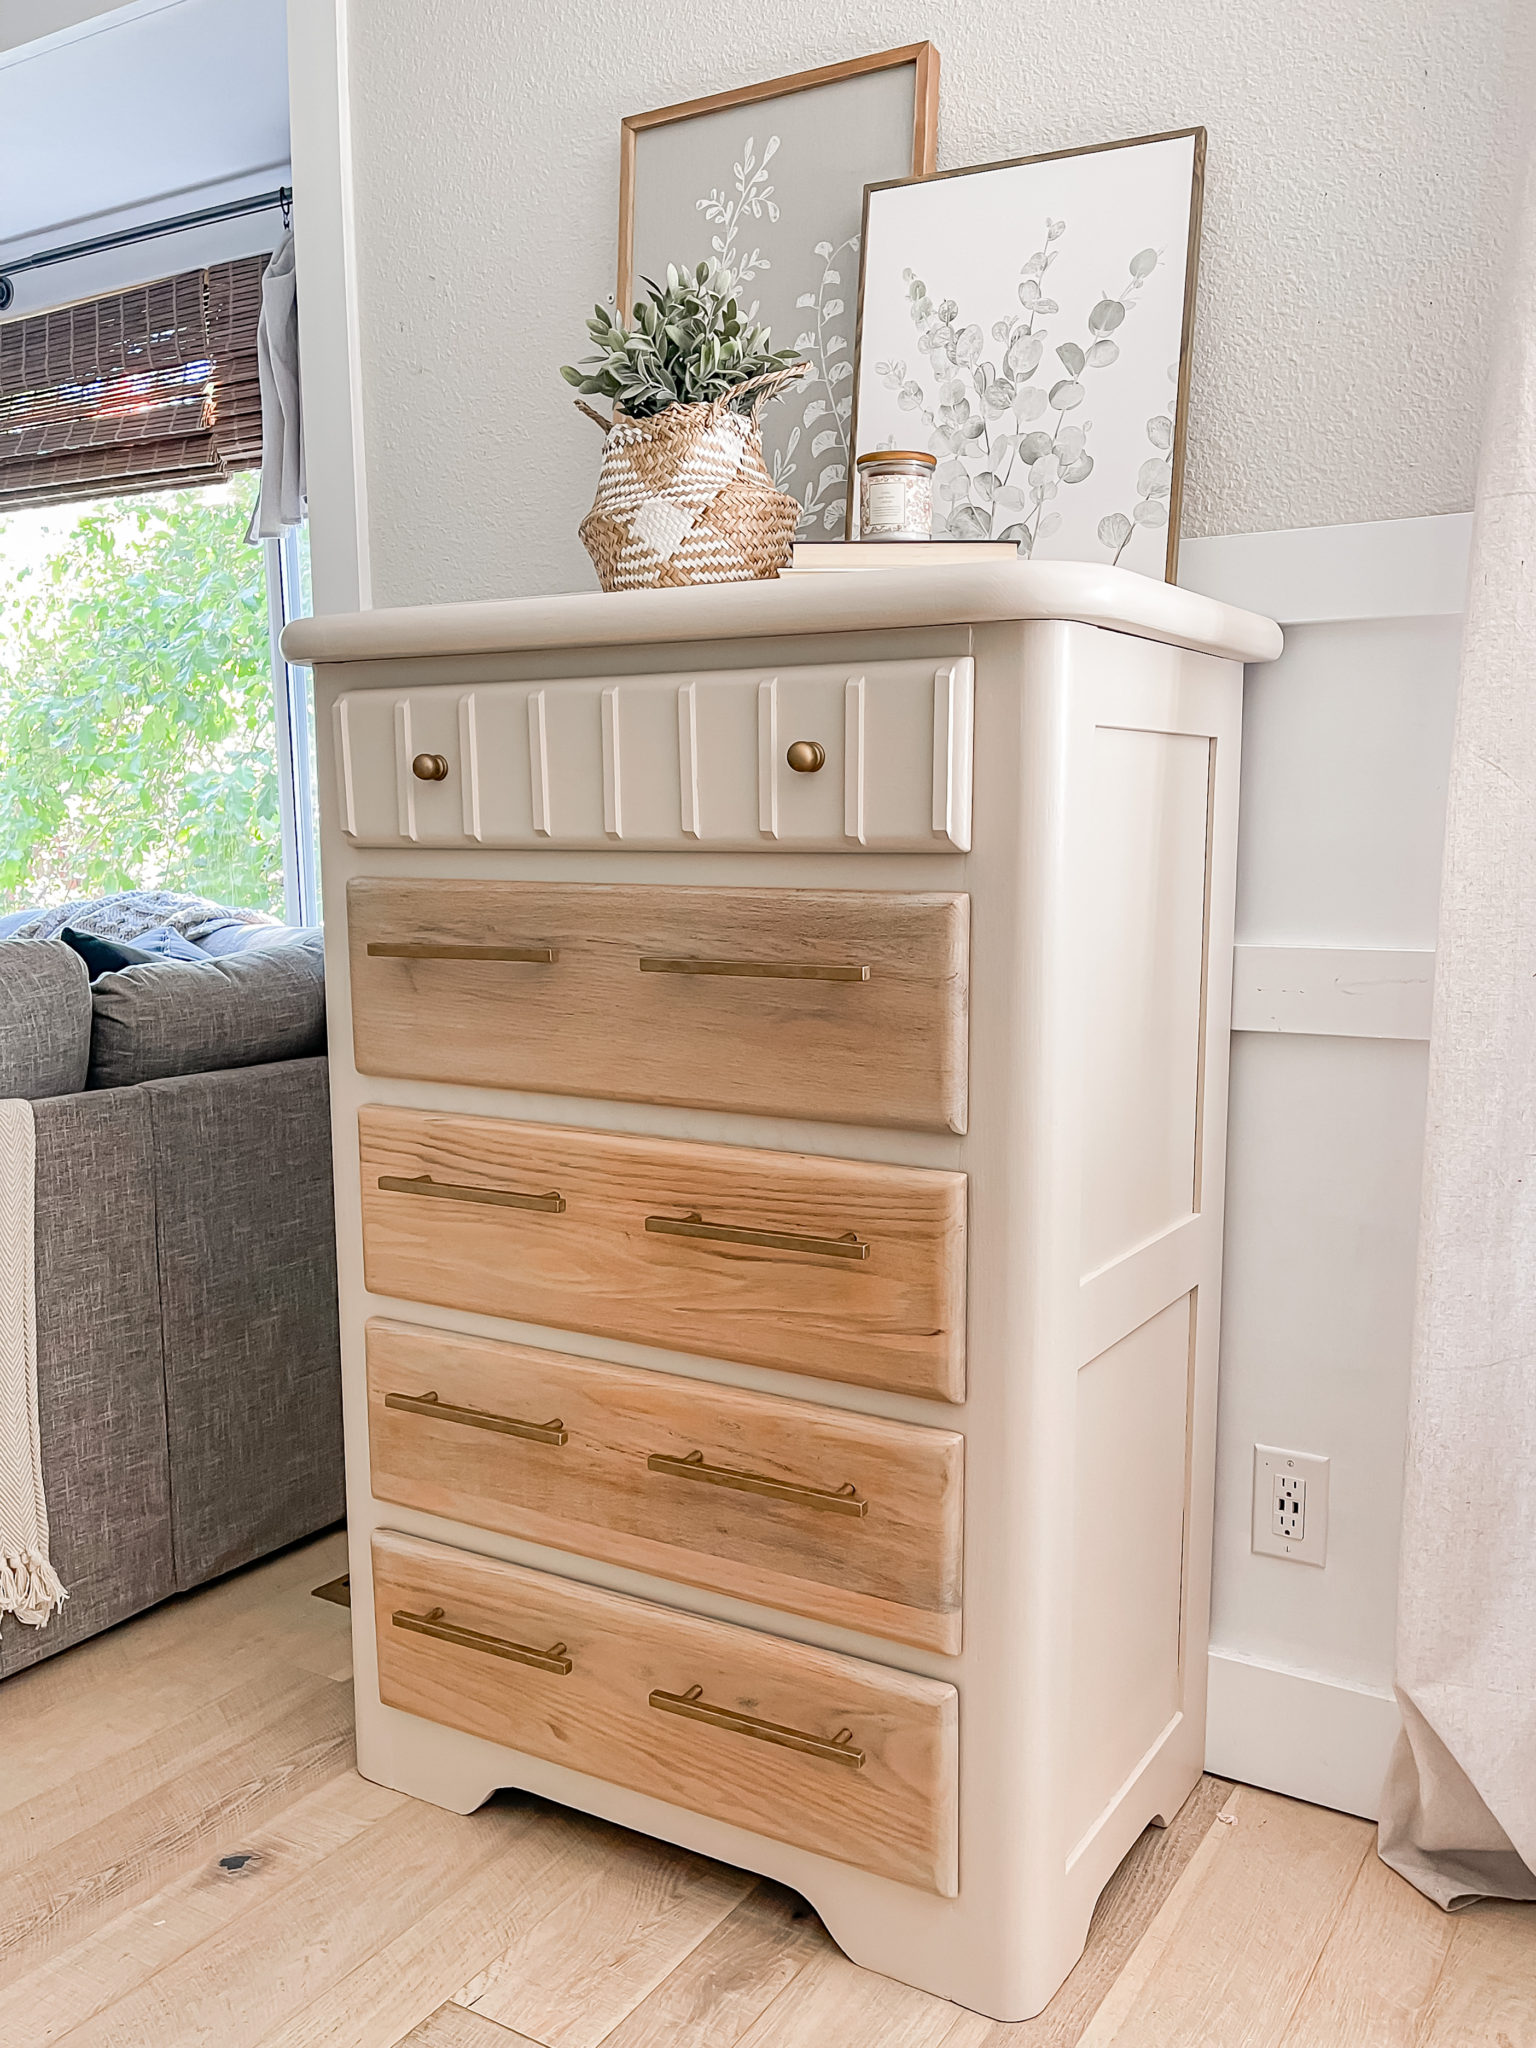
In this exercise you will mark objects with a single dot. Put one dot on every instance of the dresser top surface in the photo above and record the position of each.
(832, 602)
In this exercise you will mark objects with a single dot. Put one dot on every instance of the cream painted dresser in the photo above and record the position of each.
(779, 1058)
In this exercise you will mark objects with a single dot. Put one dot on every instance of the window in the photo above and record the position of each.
(150, 734)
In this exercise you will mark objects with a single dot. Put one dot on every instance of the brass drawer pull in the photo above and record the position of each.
(763, 970)
(430, 767)
(844, 1500)
(554, 1432)
(552, 1204)
(693, 1706)
(848, 1246)
(432, 1624)
(431, 949)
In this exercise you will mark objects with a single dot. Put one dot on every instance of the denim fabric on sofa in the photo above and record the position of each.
(188, 1373)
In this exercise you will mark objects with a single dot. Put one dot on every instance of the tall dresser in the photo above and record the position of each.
(779, 1055)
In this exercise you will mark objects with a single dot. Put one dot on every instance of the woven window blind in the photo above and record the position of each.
(149, 390)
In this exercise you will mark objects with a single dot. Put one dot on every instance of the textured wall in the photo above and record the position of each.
(1354, 200)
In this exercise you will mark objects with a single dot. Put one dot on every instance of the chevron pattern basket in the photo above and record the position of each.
(685, 497)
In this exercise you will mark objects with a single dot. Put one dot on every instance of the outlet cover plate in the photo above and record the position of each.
(1270, 1468)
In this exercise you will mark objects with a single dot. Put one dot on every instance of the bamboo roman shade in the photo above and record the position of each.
(148, 390)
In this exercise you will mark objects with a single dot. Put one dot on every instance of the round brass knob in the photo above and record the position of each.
(806, 756)
(430, 768)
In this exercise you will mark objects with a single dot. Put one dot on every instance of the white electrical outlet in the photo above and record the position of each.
(1290, 1505)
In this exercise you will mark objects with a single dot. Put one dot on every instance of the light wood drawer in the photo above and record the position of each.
(836, 1267)
(850, 1518)
(837, 1004)
(848, 1759)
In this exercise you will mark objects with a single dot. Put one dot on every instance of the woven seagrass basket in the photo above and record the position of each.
(685, 496)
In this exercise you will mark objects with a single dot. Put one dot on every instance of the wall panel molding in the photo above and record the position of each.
(1315, 575)
(1346, 745)
(1333, 991)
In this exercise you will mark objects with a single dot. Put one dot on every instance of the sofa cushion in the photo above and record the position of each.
(195, 1017)
(45, 1019)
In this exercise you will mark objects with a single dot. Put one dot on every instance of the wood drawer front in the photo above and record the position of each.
(850, 1518)
(677, 1706)
(842, 1005)
(862, 1276)
(682, 761)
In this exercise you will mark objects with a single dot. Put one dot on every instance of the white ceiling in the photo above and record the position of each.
(149, 109)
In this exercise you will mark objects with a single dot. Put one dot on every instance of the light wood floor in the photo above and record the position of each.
(187, 1856)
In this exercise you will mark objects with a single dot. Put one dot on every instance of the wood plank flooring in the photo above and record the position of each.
(188, 1856)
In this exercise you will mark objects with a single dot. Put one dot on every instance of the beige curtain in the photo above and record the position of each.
(1459, 1812)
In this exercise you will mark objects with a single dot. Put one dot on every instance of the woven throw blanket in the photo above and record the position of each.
(134, 911)
(29, 1586)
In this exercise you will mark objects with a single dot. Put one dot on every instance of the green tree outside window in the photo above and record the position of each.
(136, 724)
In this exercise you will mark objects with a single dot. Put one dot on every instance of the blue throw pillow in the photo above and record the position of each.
(165, 943)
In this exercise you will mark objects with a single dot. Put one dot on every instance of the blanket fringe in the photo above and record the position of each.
(30, 1588)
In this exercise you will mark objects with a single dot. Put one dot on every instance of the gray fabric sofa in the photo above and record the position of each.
(188, 1374)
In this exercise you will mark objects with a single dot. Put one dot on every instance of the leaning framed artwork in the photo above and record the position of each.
(1029, 324)
(769, 180)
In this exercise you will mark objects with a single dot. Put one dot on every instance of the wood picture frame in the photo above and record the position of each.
(769, 179)
(1178, 370)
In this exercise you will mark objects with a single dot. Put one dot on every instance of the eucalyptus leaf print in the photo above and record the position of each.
(1016, 322)
(1154, 484)
(828, 390)
(751, 199)
(1007, 431)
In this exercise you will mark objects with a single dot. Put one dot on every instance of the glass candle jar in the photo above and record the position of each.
(896, 494)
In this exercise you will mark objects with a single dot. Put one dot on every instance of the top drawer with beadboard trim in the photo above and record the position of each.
(852, 758)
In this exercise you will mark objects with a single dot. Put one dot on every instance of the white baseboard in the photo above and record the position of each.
(1309, 575)
(1311, 1738)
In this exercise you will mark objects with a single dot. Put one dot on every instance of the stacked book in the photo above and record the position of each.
(812, 557)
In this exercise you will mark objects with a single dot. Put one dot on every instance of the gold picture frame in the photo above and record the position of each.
(1190, 258)
(769, 180)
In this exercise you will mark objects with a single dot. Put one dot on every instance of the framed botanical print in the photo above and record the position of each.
(769, 180)
(1029, 324)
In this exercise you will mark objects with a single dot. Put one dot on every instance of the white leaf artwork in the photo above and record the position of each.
(773, 187)
(1022, 319)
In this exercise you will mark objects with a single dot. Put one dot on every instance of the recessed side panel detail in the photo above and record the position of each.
(1144, 916)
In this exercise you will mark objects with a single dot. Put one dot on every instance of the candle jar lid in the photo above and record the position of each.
(890, 457)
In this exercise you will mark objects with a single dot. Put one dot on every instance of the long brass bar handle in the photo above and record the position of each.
(848, 1246)
(842, 1500)
(432, 1624)
(762, 970)
(837, 1749)
(551, 1204)
(554, 1432)
(532, 956)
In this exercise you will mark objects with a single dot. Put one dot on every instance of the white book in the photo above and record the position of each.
(814, 556)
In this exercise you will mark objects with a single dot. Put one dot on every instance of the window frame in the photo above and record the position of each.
(292, 728)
